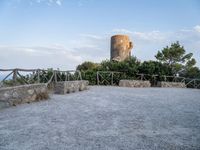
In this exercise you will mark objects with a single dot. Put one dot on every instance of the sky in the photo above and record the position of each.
(64, 33)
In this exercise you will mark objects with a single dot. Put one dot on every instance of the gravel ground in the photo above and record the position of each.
(105, 118)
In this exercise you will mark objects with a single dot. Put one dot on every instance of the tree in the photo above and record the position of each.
(154, 68)
(192, 72)
(87, 65)
(175, 57)
(128, 66)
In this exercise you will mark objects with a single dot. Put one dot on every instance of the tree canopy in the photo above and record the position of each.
(170, 61)
(87, 65)
(175, 56)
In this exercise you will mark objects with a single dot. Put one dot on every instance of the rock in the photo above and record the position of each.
(70, 86)
(172, 84)
(31, 91)
(134, 83)
(11, 96)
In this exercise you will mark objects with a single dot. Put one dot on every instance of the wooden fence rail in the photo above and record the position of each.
(107, 77)
(38, 76)
(102, 77)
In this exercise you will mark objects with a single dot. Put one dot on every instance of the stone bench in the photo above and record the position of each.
(11, 96)
(134, 83)
(70, 86)
(171, 84)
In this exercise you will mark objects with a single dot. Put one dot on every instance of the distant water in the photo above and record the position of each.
(1, 78)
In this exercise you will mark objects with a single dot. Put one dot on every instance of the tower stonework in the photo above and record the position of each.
(120, 47)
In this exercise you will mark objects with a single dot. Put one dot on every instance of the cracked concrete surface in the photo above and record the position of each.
(105, 118)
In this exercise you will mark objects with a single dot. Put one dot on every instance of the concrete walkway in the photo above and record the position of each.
(105, 118)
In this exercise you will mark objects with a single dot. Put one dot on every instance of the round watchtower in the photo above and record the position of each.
(120, 47)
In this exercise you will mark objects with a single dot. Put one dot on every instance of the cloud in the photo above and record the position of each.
(152, 36)
(92, 36)
(38, 57)
(121, 31)
(146, 44)
(146, 36)
(58, 2)
(48, 2)
(92, 47)
(79, 3)
(197, 28)
(96, 47)
(86, 47)
(83, 2)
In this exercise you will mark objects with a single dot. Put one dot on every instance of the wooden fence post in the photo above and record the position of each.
(15, 76)
(55, 76)
(97, 78)
(38, 76)
(112, 78)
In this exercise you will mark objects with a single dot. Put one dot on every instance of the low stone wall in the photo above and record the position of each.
(70, 86)
(134, 83)
(11, 96)
(171, 84)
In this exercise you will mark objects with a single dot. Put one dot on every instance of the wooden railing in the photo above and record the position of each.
(16, 76)
(108, 78)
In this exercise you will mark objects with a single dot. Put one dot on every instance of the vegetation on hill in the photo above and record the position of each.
(175, 56)
(170, 61)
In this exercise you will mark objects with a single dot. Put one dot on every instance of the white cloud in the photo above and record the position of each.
(122, 31)
(38, 57)
(58, 2)
(38, 1)
(92, 36)
(83, 2)
(146, 44)
(197, 28)
(48, 2)
(152, 36)
(79, 3)
(90, 47)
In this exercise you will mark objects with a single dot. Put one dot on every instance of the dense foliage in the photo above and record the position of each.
(175, 56)
(170, 61)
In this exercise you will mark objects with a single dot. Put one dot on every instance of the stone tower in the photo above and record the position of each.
(120, 47)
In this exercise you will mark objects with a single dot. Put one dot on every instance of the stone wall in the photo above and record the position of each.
(134, 83)
(171, 84)
(70, 86)
(120, 47)
(11, 96)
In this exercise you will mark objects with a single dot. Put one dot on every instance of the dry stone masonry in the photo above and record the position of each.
(70, 86)
(134, 83)
(172, 84)
(120, 47)
(11, 96)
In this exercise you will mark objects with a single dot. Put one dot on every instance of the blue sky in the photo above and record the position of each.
(64, 33)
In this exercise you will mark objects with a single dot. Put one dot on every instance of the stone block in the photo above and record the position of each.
(11, 96)
(171, 84)
(134, 83)
(70, 86)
